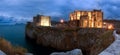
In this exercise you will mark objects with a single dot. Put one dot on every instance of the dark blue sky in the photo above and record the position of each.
(24, 10)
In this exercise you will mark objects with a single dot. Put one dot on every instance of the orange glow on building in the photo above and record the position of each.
(85, 21)
(110, 26)
(94, 19)
(78, 15)
(71, 17)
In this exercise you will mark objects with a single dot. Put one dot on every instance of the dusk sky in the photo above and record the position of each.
(24, 10)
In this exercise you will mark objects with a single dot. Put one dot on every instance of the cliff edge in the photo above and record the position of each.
(91, 40)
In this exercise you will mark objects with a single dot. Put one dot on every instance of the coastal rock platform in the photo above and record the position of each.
(90, 40)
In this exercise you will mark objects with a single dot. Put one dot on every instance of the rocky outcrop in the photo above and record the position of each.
(91, 40)
(28, 54)
(9, 49)
(2, 53)
(114, 48)
(73, 52)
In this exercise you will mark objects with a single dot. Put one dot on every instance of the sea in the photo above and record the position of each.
(15, 34)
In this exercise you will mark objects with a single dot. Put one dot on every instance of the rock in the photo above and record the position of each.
(73, 52)
(114, 48)
(2, 53)
(106, 53)
(28, 54)
(91, 40)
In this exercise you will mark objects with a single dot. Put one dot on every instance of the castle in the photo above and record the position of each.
(83, 19)
(91, 19)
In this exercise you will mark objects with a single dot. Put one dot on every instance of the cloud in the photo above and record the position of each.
(84, 4)
(26, 9)
(110, 8)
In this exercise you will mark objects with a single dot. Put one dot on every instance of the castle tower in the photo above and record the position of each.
(92, 19)
(41, 20)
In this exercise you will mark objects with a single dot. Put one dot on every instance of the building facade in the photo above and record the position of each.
(41, 20)
(91, 19)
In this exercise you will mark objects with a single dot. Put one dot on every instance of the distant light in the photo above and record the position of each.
(110, 26)
(104, 23)
(61, 21)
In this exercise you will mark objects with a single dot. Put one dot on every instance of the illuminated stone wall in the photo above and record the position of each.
(41, 20)
(87, 18)
(45, 21)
